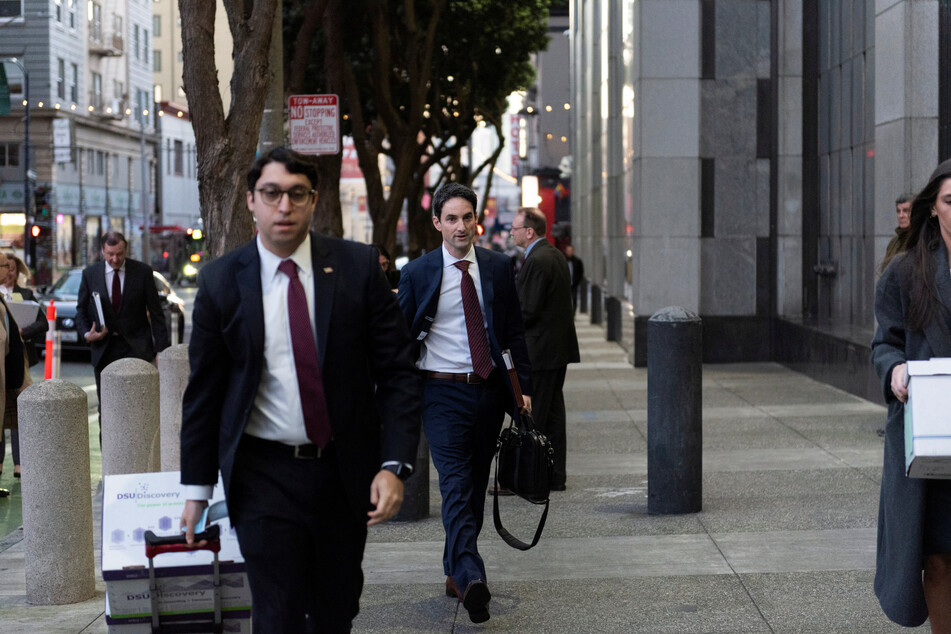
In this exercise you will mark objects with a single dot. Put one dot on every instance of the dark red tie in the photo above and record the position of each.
(478, 343)
(310, 384)
(116, 291)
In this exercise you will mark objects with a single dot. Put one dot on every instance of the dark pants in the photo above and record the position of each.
(548, 412)
(301, 541)
(462, 424)
(14, 446)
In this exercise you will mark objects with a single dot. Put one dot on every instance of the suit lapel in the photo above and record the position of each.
(248, 278)
(486, 278)
(432, 276)
(325, 278)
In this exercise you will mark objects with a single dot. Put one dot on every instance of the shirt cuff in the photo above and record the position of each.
(397, 463)
(198, 491)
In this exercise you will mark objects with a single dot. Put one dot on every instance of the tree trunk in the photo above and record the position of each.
(226, 146)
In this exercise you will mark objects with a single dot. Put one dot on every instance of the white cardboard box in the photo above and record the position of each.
(135, 503)
(928, 419)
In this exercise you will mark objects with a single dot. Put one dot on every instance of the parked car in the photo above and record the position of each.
(66, 289)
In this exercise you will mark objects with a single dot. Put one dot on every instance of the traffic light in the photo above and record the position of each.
(41, 201)
(39, 231)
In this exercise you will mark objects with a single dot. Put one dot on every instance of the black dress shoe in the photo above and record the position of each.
(4, 493)
(451, 589)
(476, 601)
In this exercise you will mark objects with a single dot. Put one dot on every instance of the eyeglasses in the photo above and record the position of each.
(514, 228)
(273, 195)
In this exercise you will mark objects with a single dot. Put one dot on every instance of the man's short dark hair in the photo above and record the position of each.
(907, 197)
(534, 219)
(111, 239)
(294, 162)
(450, 191)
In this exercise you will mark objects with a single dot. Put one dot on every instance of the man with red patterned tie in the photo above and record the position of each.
(303, 393)
(466, 391)
(134, 320)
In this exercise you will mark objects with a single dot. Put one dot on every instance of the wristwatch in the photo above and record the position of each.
(400, 469)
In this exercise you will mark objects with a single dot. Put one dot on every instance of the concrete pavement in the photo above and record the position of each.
(785, 541)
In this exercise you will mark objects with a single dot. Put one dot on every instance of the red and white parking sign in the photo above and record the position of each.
(314, 122)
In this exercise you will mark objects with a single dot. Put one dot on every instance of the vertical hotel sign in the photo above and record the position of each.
(314, 122)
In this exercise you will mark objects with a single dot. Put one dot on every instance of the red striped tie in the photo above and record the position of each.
(310, 384)
(478, 343)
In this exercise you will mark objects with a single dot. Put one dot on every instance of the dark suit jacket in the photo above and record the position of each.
(544, 290)
(140, 321)
(577, 270)
(902, 504)
(420, 282)
(364, 354)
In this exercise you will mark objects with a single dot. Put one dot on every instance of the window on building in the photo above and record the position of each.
(145, 45)
(94, 16)
(118, 89)
(135, 40)
(156, 61)
(61, 78)
(157, 26)
(9, 154)
(157, 93)
(95, 92)
(179, 158)
(11, 8)
(73, 83)
(90, 162)
(59, 10)
(71, 6)
(100, 163)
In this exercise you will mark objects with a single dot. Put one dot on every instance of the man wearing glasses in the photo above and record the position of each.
(302, 392)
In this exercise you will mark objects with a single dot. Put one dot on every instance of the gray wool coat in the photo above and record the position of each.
(902, 502)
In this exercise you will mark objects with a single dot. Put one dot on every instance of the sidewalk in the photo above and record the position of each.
(785, 541)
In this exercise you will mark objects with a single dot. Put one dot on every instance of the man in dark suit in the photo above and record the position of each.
(576, 269)
(134, 320)
(303, 393)
(544, 290)
(461, 305)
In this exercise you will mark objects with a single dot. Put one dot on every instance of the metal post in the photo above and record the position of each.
(146, 256)
(29, 254)
(674, 414)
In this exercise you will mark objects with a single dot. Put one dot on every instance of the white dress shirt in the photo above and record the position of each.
(277, 413)
(446, 347)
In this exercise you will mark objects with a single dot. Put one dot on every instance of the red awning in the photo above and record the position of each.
(164, 228)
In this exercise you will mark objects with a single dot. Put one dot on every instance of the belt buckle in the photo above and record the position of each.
(300, 456)
(470, 376)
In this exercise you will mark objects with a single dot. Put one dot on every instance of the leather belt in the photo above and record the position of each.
(301, 452)
(470, 378)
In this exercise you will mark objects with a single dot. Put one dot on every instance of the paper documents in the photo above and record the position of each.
(102, 318)
(23, 312)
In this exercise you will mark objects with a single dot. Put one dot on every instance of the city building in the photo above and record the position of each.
(92, 132)
(741, 158)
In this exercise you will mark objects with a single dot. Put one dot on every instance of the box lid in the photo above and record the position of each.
(931, 367)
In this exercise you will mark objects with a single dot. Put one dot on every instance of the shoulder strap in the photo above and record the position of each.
(510, 539)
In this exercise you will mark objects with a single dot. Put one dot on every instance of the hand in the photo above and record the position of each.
(898, 383)
(190, 517)
(96, 335)
(386, 494)
(527, 408)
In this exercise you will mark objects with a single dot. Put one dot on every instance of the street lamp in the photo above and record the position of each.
(29, 253)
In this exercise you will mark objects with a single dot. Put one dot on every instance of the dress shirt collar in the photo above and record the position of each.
(529, 248)
(270, 261)
(449, 260)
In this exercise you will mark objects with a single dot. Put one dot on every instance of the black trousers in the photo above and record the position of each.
(548, 412)
(302, 543)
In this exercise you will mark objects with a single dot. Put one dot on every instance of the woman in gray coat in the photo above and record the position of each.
(913, 309)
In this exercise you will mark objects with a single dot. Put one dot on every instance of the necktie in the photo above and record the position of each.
(116, 291)
(478, 343)
(310, 384)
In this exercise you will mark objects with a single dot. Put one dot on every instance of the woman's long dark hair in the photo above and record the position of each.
(918, 266)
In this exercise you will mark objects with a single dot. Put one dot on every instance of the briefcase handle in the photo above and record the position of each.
(513, 377)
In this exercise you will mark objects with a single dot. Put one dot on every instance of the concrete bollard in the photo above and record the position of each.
(674, 412)
(173, 378)
(595, 305)
(416, 488)
(130, 417)
(57, 497)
